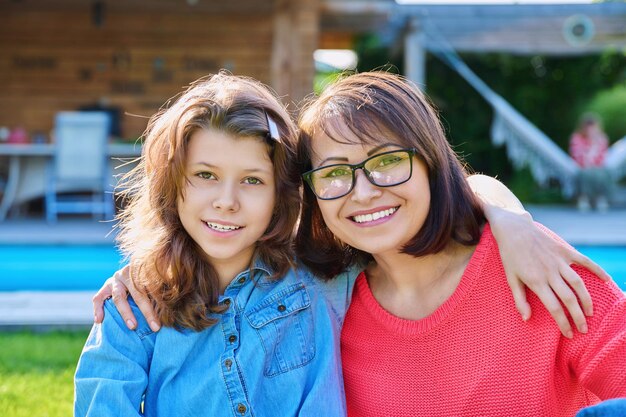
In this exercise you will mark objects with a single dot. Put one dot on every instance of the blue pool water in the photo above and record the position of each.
(61, 268)
(56, 268)
(611, 258)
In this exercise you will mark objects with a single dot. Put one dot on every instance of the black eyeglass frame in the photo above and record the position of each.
(307, 176)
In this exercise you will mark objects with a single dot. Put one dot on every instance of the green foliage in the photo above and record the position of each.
(37, 373)
(610, 105)
(322, 79)
(374, 55)
(551, 92)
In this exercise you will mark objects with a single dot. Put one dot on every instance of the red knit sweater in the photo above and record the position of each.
(474, 356)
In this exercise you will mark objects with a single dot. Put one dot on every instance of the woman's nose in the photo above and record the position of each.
(363, 190)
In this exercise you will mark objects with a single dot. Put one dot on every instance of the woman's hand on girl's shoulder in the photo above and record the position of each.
(536, 260)
(118, 287)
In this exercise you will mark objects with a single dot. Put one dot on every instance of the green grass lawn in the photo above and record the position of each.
(37, 373)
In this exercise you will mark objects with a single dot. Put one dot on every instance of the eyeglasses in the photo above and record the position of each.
(383, 170)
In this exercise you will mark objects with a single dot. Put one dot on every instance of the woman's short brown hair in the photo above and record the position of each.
(166, 261)
(370, 107)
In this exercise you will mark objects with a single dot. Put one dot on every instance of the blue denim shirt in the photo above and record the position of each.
(274, 352)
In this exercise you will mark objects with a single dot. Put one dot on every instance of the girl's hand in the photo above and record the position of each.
(535, 260)
(118, 287)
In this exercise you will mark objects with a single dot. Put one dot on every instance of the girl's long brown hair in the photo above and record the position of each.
(166, 262)
(372, 107)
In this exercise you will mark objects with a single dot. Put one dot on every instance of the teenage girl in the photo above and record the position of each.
(209, 229)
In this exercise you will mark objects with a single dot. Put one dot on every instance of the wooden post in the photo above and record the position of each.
(295, 37)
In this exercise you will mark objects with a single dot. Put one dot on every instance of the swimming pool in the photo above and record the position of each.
(611, 258)
(79, 267)
(56, 268)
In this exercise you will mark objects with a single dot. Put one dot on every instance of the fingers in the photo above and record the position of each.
(576, 283)
(143, 302)
(118, 287)
(120, 298)
(519, 295)
(580, 259)
(552, 304)
(570, 301)
(145, 305)
(98, 301)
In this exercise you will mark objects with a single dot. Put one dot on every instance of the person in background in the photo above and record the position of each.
(588, 146)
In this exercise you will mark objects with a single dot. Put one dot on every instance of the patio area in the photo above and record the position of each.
(73, 308)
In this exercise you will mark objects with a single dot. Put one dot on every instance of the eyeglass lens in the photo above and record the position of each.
(384, 170)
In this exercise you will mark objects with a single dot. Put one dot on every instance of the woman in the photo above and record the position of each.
(432, 327)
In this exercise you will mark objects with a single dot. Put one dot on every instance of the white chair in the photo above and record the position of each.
(78, 176)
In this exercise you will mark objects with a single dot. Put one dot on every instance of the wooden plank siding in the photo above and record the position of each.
(53, 56)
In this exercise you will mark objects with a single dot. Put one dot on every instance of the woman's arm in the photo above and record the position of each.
(550, 275)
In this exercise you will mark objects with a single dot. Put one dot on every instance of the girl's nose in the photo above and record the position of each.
(227, 200)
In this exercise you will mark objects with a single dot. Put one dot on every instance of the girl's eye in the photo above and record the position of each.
(205, 175)
(252, 181)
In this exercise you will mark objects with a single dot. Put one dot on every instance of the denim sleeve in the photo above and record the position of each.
(338, 290)
(112, 372)
(609, 408)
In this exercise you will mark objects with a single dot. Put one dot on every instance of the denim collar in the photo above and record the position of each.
(259, 269)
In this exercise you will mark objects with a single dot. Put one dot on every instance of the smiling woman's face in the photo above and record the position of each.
(373, 219)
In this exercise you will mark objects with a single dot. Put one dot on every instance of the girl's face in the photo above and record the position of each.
(229, 196)
(373, 219)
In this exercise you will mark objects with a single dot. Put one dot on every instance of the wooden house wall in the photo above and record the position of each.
(61, 55)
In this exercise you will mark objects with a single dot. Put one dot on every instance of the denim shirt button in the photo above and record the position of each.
(241, 409)
(228, 363)
(241, 280)
(282, 308)
(227, 302)
(232, 338)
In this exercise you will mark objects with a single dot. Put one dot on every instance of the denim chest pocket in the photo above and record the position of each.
(284, 323)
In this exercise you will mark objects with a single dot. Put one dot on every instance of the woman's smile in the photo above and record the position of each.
(374, 217)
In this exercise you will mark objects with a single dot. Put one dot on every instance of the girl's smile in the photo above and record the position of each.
(222, 228)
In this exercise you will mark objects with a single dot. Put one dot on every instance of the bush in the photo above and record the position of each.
(610, 105)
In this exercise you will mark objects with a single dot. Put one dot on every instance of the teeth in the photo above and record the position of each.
(222, 227)
(362, 218)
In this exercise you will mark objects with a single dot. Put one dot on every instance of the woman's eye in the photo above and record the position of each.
(205, 175)
(252, 181)
(388, 160)
(337, 172)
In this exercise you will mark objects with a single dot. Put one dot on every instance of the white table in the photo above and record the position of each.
(27, 169)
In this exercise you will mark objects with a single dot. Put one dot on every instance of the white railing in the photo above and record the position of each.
(526, 145)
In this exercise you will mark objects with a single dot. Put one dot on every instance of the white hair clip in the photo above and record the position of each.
(272, 129)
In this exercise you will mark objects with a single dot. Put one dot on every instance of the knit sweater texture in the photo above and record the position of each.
(474, 356)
